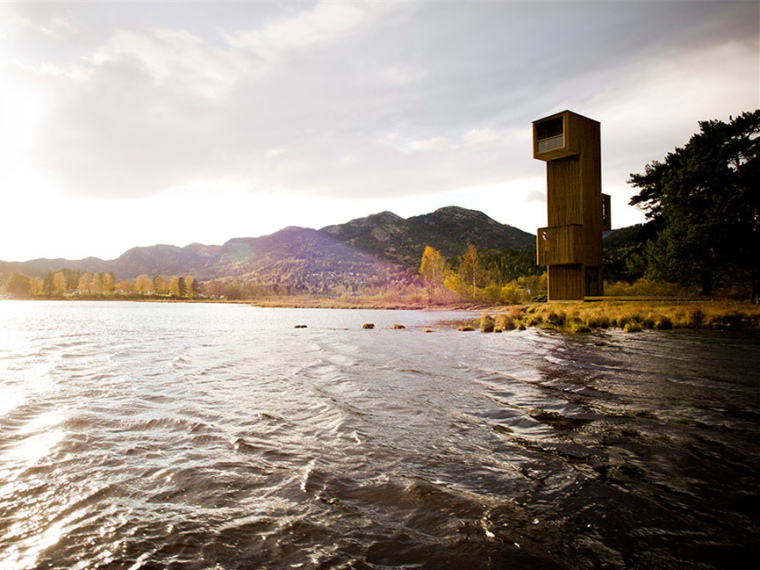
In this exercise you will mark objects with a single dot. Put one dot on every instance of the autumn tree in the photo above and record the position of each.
(127, 287)
(85, 283)
(233, 290)
(178, 287)
(470, 270)
(18, 285)
(214, 288)
(59, 283)
(36, 286)
(96, 285)
(72, 277)
(433, 270)
(192, 286)
(109, 283)
(160, 285)
(143, 284)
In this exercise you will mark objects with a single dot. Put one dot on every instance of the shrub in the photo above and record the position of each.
(492, 294)
(663, 324)
(579, 327)
(511, 294)
(505, 322)
(487, 323)
(632, 327)
(598, 322)
(647, 288)
(694, 318)
(555, 319)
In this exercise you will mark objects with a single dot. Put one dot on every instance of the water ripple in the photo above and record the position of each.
(214, 436)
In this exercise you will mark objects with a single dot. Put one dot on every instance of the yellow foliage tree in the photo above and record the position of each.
(433, 269)
(36, 286)
(59, 283)
(143, 284)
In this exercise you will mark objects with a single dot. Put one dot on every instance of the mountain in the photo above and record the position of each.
(379, 247)
(163, 259)
(296, 256)
(449, 230)
(38, 267)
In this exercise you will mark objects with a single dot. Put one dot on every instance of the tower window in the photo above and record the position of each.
(550, 134)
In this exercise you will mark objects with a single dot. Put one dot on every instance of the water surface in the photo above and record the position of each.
(137, 435)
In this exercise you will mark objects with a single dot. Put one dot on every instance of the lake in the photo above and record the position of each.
(147, 435)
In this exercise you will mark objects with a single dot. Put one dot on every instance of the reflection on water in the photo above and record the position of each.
(218, 436)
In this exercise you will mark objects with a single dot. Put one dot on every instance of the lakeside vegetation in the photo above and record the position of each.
(631, 316)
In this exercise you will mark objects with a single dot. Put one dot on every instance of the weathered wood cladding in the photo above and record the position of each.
(566, 282)
(563, 192)
(560, 245)
(570, 146)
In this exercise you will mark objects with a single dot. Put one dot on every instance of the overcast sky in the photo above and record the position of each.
(136, 123)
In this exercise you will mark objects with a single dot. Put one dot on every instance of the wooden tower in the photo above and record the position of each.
(578, 212)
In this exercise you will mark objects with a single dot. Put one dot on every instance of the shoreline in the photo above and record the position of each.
(632, 314)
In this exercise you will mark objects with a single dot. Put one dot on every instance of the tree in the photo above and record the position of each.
(433, 269)
(85, 283)
(177, 287)
(470, 270)
(143, 284)
(233, 290)
(127, 287)
(96, 285)
(704, 201)
(192, 286)
(109, 283)
(18, 285)
(160, 285)
(72, 277)
(59, 283)
(36, 286)
(174, 287)
(48, 284)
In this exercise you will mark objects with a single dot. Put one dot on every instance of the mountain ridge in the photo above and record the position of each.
(382, 244)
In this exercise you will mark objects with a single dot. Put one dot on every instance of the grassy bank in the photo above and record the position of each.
(359, 302)
(631, 316)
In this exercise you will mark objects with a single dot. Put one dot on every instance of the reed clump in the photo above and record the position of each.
(506, 322)
(487, 323)
(632, 316)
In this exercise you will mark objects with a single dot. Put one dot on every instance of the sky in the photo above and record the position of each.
(129, 124)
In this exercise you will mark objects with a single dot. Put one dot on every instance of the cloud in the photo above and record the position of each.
(435, 143)
(328, 22)
(373, 99)
(40, 19)
(479, 136)
(535, 196)
(402, 74)
(178, 58)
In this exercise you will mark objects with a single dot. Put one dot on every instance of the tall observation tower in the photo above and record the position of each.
(578, 212)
